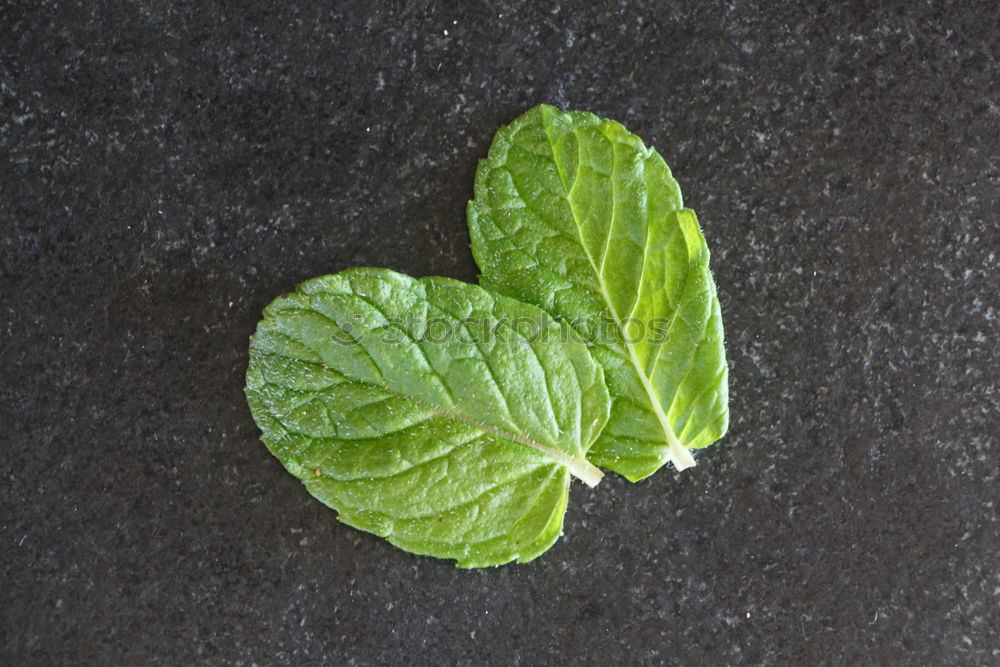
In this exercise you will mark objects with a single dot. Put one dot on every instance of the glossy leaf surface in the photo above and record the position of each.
(574, 214)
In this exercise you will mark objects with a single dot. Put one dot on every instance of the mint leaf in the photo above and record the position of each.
(576, 215)
(441, 417)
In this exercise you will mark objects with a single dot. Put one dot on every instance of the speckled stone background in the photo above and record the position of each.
(168, 168)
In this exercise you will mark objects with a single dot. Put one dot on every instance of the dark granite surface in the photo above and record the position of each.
(168, 168)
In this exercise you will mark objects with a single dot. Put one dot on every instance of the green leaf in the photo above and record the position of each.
(433, 413)
(576, 215)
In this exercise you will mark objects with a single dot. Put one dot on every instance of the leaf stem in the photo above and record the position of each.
(586, 472)
(679, 455)
(578, 466)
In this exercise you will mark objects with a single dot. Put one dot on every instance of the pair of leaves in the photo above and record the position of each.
(449, 418)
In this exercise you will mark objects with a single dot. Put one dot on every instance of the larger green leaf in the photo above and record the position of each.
(430, 412)
(576, 215)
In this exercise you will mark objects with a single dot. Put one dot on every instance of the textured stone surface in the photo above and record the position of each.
(167, 168)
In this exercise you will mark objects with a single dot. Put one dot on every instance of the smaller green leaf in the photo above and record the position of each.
(432, 413)
(575, 214)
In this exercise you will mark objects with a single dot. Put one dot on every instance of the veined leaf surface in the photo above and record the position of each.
(574, 214)
(432, 413)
